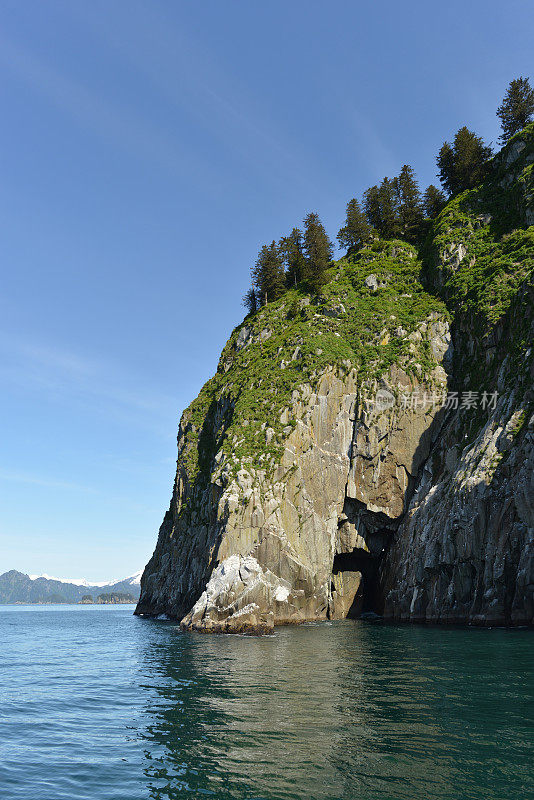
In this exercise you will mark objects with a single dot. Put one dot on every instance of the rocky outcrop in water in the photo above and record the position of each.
(325, 471)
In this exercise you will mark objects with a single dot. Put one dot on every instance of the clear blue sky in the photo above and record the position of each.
(147, 150)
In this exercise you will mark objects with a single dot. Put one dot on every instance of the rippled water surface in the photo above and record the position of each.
(98, 705)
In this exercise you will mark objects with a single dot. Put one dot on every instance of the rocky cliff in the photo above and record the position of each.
(464, 551)
(370, 448)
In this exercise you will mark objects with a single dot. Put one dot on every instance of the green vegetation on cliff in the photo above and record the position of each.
(479, 250)
(367, 311)
(362, 319)
(374, 407)
(517, 108)
(393, 209)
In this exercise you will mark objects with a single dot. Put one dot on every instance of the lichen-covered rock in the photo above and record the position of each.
(464, 552)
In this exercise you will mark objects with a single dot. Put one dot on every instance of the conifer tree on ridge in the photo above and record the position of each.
(250, 301)
(318, 250)
(356, 230)
(409, 203)
(517, 108)
(464, 164)
(290, 248)
(433, 201)
(268, 273)
(381, 209)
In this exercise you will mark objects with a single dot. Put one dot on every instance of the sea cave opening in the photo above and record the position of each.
(359, 595)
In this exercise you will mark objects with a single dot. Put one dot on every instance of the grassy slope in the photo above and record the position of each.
(304, 341)
(483, 292)
(500, 255)
(258, 380)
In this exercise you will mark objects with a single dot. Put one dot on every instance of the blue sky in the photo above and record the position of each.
(147, 150)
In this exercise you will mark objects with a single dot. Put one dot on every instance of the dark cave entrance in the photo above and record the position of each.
(368, 596)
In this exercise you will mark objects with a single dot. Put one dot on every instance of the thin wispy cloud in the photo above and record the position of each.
(378, 157)
(47, 483)
(53, 358)
(32, 366)
(187, 75)
(127, 130)
(60, 485)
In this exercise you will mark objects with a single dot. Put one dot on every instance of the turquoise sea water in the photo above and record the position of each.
(98, 705)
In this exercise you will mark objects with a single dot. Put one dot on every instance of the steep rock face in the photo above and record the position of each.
(321, 472)
(465, 550)
(275, 536)
(269, 518)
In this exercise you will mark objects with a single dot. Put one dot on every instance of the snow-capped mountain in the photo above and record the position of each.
(75, 581)
(132, 580)
(135, 580)
(17, 587)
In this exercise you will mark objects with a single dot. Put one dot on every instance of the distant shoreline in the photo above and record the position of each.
(19, 604)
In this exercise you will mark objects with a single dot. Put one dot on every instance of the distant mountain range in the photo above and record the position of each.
(19, 588)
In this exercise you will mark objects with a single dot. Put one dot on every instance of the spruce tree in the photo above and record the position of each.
(381, 209)
(433, 201)
(387, 194)
(445, 162)
(517, 108)
(318, 250)
(250, 301)
(471, 157)
(268, 274)
(371, 207)
(464, 164)
(410, 209)
(290, 248)
(356, 230)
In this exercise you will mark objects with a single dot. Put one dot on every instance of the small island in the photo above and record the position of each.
(108, 598)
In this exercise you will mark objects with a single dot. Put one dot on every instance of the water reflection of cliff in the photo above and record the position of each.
(246, 717)
(328, 711)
